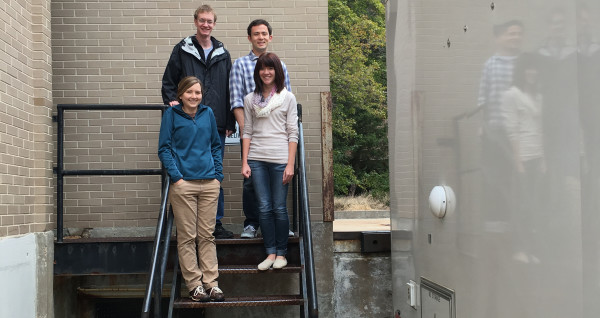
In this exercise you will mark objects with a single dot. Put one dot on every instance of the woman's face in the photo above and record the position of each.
(192, 96)
(267, 75)
(531, 76)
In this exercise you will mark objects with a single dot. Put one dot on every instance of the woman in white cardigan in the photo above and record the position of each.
(269, 143)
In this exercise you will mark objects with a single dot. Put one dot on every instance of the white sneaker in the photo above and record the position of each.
(249, 232)
(290, 233)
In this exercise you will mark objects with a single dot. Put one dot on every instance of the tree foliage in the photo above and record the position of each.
(358, 89)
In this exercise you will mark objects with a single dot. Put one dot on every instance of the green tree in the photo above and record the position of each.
(358, 91)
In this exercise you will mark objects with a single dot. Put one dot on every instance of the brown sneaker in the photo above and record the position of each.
(199, 294)
(216, 294)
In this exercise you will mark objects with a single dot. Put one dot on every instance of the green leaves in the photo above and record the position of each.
(358, 89)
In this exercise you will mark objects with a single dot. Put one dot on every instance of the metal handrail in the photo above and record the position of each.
(159, 254)
(311, 286)
(61, 172)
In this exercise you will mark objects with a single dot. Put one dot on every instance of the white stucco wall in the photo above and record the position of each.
(26, 276)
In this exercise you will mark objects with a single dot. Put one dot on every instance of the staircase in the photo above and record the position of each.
(291, 288)
(242, 283)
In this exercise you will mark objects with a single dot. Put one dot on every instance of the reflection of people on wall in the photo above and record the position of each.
(561, 120)
(522, 108)
(562, 138)
(496, 79)
(562, 148)
(588, 60)
(497, 163)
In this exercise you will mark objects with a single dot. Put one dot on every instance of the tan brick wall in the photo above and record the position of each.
(26, 192)
(115, 52)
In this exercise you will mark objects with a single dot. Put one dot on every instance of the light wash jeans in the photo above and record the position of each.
(271, 197)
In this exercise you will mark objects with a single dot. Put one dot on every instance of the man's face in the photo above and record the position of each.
(260, 38)
(205, 23)
(511, 39)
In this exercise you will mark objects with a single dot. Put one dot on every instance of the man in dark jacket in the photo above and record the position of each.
(205, 57)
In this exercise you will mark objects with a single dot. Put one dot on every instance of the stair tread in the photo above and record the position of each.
(242, 301)
(257, 240)
(252, 269)
(235, 240)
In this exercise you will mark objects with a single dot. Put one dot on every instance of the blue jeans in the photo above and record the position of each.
(221, 202)
(271, 197)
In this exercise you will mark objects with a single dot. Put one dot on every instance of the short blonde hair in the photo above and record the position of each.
(205, 8)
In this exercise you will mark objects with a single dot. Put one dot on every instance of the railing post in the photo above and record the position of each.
(59, 175)
(313, 310)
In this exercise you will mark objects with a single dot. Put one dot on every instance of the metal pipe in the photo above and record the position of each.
(313, 309)
(155, 251)
(59, 176)
(111, 107)
(112, 172)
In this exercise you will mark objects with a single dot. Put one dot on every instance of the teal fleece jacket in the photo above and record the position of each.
(190, 148)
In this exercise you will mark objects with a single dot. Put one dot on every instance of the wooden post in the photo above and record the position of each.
(327, 150)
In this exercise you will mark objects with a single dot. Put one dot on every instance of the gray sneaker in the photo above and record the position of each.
(199, 294)
(249, 232)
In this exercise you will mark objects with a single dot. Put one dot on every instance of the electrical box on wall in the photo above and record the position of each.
(436, 301)
(413, 294)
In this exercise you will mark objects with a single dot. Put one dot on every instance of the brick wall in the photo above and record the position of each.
(26, 192)
(115, 52)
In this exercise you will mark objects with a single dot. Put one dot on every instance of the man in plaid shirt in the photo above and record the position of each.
(497, 153)
(241, 83)
(497, 75)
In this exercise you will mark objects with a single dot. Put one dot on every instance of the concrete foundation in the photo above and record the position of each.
(363, 284)
(26, 265)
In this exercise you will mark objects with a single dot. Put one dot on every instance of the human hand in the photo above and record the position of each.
(173, 103)
(179, 182)
(246, 171)
(228, 132)
(288, 174)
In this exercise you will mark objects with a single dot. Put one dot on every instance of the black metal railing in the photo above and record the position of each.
(310, 297)
(61, 172)
(160, 255)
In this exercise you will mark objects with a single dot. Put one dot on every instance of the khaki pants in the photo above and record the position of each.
(195, 208)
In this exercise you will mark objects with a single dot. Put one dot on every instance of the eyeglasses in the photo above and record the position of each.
(209, 22)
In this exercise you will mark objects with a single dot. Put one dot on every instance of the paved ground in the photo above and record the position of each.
(360, 225)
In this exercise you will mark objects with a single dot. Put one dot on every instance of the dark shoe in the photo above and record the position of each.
(199, 294)
(221, 233)
(216, 294)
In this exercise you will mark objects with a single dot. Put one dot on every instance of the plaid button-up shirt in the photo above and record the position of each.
(496, 78)
(241, 79)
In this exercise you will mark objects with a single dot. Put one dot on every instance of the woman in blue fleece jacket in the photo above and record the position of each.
(189, 147)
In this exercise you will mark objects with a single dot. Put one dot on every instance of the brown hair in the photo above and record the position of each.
(205, 8)
(269, 60)
(186, 83)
